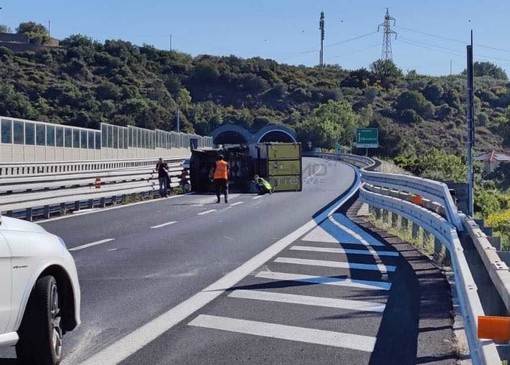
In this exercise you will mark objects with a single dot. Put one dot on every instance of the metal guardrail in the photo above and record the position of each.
(430, 189)
(482, 352)
(31, 194)
(438, 215)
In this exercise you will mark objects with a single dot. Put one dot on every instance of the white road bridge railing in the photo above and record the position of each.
(392, 192)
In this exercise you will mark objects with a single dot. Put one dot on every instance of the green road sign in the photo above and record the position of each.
(367, 138)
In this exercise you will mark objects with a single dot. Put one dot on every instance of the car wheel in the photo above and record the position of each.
(40, 331)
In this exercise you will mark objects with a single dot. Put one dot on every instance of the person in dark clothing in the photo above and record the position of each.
(164, 179)
(220, 175)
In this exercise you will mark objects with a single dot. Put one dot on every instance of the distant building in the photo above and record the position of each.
(20, 43)
(492, 159)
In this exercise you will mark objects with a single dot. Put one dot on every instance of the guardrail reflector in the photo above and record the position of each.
(416, 199)
(494, 328)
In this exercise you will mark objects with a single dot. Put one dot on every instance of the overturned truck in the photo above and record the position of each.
(279, 163)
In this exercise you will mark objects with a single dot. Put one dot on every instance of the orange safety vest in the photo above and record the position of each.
(221, 171)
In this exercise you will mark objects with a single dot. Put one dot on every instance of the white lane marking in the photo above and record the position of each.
(343, 265)
(257, 197)
(207, 212)
(319, 234)
(342, 250)
(354, 305)
(291, 333)
(164, 224)
(362, 240)
(327, 280)
(91, 244)
(234, 204)
(145, 334)
(140, 337)
(355, 235)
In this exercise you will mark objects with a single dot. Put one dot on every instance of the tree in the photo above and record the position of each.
(184, 99)
(488, 69)
(384, 69)
(331, 122)
(34, 31)
(5, 29)
(415, 101)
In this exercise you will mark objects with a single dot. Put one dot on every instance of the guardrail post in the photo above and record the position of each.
(404, 224)
(415, 231)
(102, 202)
(62, 208)
(438, 248)
(394, 220)
(91, 203)
(385, 216)
(28, 214)
(46, 211)
(77, 205)
(377, 213)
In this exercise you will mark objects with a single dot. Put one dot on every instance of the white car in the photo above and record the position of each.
(39, 291)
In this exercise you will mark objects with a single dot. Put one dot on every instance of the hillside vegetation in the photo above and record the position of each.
(421, 119)
(86, 82)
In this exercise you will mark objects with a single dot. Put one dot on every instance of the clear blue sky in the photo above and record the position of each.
(431, 33)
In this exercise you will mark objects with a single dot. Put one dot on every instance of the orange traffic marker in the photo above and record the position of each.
(98, 182)
(494, 328)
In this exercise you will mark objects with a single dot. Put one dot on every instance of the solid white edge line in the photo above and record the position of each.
(140, 337)
(342, 250)
(207, 212)
(257, 197)
(234, 204)
(164, 224)
(284, 332)
(91, 244)
(324, 280)
(353, 305)
(343, 265)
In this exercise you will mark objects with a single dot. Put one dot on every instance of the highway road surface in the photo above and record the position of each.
(285, 278)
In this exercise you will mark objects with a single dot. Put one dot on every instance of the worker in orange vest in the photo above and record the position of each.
(220, 178)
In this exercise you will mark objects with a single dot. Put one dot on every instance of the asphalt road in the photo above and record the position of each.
(277, 290)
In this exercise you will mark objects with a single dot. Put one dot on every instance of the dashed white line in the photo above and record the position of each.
(354, 305)
(164, 224)
(327, 280)
(257, 197)
(207, 212)
(234, 204)
(343, 265)
(342, 250)
(148, 332)
(91, 244)
(291, 333)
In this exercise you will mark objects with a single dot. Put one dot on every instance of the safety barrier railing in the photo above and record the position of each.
(436, 213)
(482, 352)
(31, 194)
(433, 190)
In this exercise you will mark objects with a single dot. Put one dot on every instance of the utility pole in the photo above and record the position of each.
(170, 42)
(388, 32)
(49, 27)
(321, 27)
(470, 127)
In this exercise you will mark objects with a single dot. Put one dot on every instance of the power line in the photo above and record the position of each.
(350, 39)
(451, 39)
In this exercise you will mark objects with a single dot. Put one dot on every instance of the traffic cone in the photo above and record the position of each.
(98, 182)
